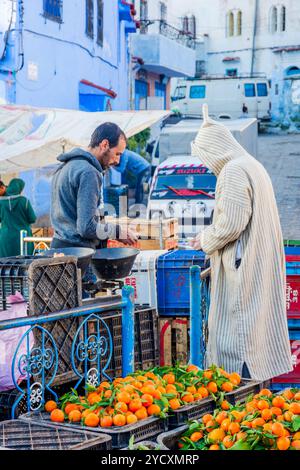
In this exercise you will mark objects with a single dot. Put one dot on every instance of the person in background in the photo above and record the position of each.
(248, 330)
(134, 165)
(16, 214)
(2, 189)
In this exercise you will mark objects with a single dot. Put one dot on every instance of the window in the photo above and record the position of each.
(89, 18)
(239, 24)
(185, 24)
(231, 72)
(163, 11)
(179, 93)
(276, 89)
(144, 16)
(262, 89)
(249, 90)
(230, 24)
(283, 19)
(273, 20)
(192, 27)
(100, 22)
(200, 68)
(53, 10)
(197, 92)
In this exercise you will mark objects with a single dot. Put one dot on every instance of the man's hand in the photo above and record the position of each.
(128, 235)
(196, 243)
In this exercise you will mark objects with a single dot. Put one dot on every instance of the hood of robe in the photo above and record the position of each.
(215, 145)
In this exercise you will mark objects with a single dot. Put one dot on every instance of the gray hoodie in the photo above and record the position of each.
(76, 199)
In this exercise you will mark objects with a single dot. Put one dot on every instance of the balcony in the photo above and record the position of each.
(169, 51)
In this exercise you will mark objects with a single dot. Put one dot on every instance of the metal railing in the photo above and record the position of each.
(183, 37)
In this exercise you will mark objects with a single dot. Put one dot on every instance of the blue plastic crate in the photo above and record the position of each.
(282, 386)
(293, 268)
(173, 281)
(292, 250)
(294, 324)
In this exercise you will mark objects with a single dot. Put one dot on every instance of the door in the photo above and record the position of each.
(196, 98)
(250, 99)
(141, 94)
(160, 90)
(263, 99)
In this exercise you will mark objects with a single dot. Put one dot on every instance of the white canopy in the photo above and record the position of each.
(34, 137)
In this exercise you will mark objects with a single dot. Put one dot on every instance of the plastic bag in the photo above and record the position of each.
(9, 340)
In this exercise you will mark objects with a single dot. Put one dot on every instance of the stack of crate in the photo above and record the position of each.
(153, 234)
(293, 313)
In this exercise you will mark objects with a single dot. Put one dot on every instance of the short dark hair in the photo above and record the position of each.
(109, 131)
(1, 183)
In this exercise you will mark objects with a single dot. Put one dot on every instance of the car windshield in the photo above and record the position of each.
(186, 185)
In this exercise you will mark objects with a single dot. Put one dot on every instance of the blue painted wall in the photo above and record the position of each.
(63, 55)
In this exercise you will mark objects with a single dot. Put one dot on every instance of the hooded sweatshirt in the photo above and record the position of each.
(76, 200)
(247, 319)
(16, 214)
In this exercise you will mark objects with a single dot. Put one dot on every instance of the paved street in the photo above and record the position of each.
(281, 157)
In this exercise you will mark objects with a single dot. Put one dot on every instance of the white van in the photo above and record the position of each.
(182, 187)
(227, 97)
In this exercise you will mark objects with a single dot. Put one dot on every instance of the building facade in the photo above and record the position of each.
(160, 50)
(66, 54)
(253, 37)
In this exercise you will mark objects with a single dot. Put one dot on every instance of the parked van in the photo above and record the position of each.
(182, 187)
(227, 97)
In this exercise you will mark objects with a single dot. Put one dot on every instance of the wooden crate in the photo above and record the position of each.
(167, 244)
(149, 228)
(174, 340)
(42, 232)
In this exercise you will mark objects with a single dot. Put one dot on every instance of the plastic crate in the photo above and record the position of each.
(151, 445)
(7, 399)
(142, 430)
(168, 440)
(294, 375)
(246, 388)
(173, 281)
(48, 285)
(293, 286)
(278, 387)
(190, 412)
(26, 435)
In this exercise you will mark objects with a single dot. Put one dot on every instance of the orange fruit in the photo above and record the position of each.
(283, 443)
(267, 427)
(128, 388)
(174, 404)
(217, 435)
(225, 424)
(296, 397)
(187, 398)
(258, 422)
(225, 405)
(170, 388)
(92, 420)
(206, 418)
(50, 406)
(212, 387)
(234, 428)
(70, 407)
(147, 399)
(85, 413)
(214, 447)
(203, 392)
(137, 384)
(121, 407)
(197, 396)
(296, 436)
(296, 444)
(227, 387)
(295, 408)
(207, 374)
(228, 442)
(135, 405)
(124, 397)
(210, 425)
(246, 423)
(288, 394)
(278, 402)
(221, 416)
(196, 436)
(154, 410)
(237, 415)
(103, 386)
(107, 393)
(263, 405)
(119, 420)
(131, 419)
(265, 392)
(266, 414)
(192, 389)
(74, 416)
(288, 415)
(277, 429)
(235, 378)
(241, 435)
(192, 367)
(276, 411)
(106, 421)
(169, 378)
(57, 416)
(141, 413)
(157, 394)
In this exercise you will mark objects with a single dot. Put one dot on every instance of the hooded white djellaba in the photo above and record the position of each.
(247, 318)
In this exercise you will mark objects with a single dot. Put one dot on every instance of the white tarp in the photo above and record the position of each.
(34, 137)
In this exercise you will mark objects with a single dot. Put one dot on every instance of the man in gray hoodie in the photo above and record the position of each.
(77, 192)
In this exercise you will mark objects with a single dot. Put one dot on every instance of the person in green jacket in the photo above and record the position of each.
(16, 214)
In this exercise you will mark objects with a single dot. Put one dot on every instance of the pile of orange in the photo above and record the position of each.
(265, 422)
(142, 395)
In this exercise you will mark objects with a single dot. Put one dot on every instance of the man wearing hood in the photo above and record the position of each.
(248, 330)
(16, 214)
(77, 191)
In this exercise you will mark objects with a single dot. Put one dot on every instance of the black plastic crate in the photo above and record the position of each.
(27, 435)
(189, 412)
(151, 445)
(246, 388)
(142, 430)
(168, 440)
(7, 400)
